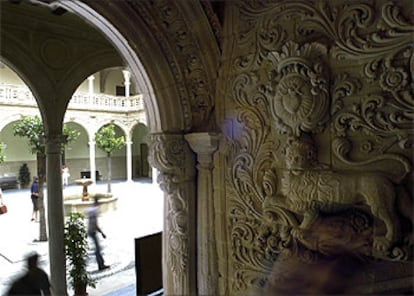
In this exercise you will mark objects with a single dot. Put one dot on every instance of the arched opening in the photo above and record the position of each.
(75, 154)
(52, 116)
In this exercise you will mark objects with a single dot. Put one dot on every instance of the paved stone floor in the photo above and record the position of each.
(139, 213)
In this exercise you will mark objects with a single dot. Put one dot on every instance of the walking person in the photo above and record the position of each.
(34, 189)
(93, 229)
(34, 281)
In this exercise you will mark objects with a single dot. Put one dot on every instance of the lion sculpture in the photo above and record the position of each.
(309, 188)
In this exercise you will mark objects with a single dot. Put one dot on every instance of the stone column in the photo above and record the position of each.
(204, 145)
(174, 160)
(127, 82)
(129, 160)
(92, 164)
(90, 84)
(55, 215)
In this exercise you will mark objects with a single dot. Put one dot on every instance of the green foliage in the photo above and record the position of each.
(31, 127)
(76, 249)
(70, 134)
(107, 141)
(24, 175)
(2, 150)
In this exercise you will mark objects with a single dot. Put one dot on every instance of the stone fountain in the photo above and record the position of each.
(84, 182)
(81, 202)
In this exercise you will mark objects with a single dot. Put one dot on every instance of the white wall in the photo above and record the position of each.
(8, 76)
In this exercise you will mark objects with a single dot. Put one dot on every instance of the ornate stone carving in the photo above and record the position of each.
(213, 16)
(296, 68)
(301, 100)
(249, 177)
(309, 189)
(168, 20)
(173, 158)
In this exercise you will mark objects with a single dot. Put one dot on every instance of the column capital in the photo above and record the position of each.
(127, 75)
(203, 143)
(171, 155)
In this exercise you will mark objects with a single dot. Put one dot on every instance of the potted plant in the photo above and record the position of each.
(24, 176)
(76, 248)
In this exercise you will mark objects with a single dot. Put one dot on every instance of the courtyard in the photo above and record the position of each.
(139, 213)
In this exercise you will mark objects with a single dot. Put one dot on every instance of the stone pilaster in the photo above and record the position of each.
(55, 215)
(204, 145)
(171, 155)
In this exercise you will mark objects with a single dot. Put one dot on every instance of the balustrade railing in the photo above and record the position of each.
(21, 95)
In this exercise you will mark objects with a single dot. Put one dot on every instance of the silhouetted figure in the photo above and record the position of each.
(93, 229)
(33, 282)
(34, 195)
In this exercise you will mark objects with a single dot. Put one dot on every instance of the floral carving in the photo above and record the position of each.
(393, 79)
(356, 78)
(172, 157)
(178, 42)
(250, 180)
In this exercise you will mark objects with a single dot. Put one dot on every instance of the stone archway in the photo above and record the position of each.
(168, 87)
(178, 90)
(119, 42)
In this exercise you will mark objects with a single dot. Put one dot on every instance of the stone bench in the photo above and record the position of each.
(8, 182)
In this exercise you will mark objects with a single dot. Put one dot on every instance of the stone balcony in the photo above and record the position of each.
(22, 96)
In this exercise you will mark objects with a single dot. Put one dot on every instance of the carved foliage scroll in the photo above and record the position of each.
(181, 48)
(351, 90)
(170, 154)
(250, 180)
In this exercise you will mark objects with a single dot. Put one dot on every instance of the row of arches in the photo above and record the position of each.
(77, 155)
(81, 155)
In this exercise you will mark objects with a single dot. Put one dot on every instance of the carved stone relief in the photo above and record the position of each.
(173, 158)
(320, 145)
(175, 35)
